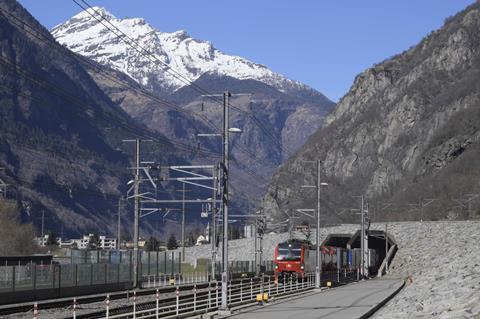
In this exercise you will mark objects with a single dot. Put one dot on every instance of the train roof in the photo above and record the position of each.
(296, 241)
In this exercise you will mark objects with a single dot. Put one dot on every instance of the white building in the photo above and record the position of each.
(201, 240)
(82, 243)
(249, 231)
(108, 243)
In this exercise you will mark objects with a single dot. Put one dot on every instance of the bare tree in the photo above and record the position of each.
(16, 238)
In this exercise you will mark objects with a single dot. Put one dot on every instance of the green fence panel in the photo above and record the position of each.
(99, 274)
(67, 275)
(112, 273)
(6, 278)
(44, 276)
(84, 274)
(125, 274)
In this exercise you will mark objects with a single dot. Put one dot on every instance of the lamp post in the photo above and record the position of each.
(137, 208)
(225, 198)
(318, 262)
(225, 193)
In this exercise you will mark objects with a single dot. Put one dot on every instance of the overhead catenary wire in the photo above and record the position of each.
(39, 100)
(57, 91)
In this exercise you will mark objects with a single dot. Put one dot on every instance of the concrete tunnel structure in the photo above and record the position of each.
(376, 240)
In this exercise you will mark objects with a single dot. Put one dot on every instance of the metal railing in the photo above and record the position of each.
(206, 297)
(163, 280)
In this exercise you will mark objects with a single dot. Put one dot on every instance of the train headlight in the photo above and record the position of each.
(276, 266)
(302, 267)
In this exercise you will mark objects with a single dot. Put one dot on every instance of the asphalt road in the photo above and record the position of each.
(350, 301)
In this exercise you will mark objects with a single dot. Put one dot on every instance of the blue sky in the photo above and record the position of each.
(324, 44)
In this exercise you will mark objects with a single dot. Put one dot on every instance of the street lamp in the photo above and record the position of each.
(235, 130)
(225, 196)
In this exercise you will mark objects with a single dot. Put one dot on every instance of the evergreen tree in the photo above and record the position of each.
(172, 242)
(52, 239)
(192, 241)
(94, 242)
(152, 244)
(235, 233)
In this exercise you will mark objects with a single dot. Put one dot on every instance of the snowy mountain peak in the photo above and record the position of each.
(178, 51)
(100, 11)
(180, 34)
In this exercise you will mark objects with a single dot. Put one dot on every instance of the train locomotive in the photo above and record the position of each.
(297, 257)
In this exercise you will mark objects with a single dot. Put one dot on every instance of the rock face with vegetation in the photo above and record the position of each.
(407, 131)
(60, 134)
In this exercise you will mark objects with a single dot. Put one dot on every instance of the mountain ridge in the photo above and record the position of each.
(407, 130)
(189, 57)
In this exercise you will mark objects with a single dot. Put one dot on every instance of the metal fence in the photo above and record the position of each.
(98, 271)
(78, 256)
(245, 266)
(154, 267)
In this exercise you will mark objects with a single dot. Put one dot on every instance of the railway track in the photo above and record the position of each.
(192, 298)
(194, 302)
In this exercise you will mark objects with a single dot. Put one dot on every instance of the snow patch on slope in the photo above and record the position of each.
(182, 57)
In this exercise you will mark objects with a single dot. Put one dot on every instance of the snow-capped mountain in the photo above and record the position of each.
(182, 57)
(289, 111)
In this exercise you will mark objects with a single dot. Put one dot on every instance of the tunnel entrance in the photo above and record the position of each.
(383, 243)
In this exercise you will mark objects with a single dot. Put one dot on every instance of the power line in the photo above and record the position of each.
(103, 73)
(179, 146)
(167, 67)
(94, 65)
(141, 50)
(57, 91)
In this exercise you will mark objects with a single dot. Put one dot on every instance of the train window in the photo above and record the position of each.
(289, 252)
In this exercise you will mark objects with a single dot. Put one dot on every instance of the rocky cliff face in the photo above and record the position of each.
(407, 130)
(276, 119)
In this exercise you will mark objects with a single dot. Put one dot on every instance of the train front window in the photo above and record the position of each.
(289, 253)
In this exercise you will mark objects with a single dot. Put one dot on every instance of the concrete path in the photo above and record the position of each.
(351, 301)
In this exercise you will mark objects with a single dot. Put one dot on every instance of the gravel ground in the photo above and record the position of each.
(443, 261)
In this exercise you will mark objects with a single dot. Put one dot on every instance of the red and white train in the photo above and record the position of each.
(298, 257)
